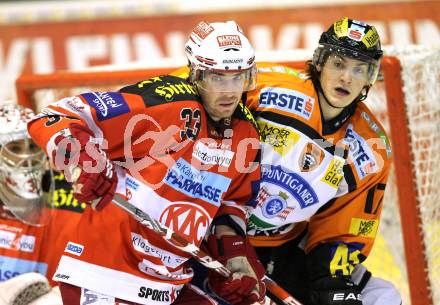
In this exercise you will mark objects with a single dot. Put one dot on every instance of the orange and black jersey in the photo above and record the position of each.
(329, 178)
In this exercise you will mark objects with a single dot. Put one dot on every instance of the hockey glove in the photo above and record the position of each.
(84, 164)
(245, 285)
(335, 291)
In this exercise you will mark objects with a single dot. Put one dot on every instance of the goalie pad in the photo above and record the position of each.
(23, 289)
(53, 297)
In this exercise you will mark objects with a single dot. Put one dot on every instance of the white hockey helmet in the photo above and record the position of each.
(220, 47)
(26, 182)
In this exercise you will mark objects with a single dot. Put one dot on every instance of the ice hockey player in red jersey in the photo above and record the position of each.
(185, 152)
(25, 207)
(324, 165)
(34, 220)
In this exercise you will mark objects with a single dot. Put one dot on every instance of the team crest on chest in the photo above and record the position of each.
(311, 157)
(273, 205)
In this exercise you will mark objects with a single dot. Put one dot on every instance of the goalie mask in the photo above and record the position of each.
(353, 39)
(218, 49)
(25, 176)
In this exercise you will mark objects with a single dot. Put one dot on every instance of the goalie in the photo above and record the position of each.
(32, 230)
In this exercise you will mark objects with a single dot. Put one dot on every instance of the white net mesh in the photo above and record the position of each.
(421, 77)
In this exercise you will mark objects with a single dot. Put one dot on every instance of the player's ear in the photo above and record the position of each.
(318, 68)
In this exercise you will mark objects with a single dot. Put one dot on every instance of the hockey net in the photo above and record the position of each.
(407, 101)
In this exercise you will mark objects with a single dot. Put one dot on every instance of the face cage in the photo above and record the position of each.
(26, 182)
(323, 52)
(199, 74)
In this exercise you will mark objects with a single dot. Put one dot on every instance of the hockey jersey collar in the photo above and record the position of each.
(331, 126)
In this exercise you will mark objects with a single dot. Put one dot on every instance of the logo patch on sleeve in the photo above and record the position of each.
(75, 249)
(107, 104)
(360, 153)
(364, 227)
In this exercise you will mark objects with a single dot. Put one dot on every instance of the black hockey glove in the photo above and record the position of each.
(335, 291)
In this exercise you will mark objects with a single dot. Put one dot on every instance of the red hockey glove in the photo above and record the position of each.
(245, 286)
(84, 164)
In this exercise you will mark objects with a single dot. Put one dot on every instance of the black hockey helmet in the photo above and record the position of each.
(351, 38)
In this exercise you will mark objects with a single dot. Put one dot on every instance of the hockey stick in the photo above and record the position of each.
(181, 243)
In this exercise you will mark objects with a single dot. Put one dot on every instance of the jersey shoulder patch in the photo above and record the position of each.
(374, 127)
(369, 147)
(163, 89)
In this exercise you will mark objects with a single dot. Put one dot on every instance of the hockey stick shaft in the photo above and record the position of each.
(170, 236)
(279, 292)
(181, 243)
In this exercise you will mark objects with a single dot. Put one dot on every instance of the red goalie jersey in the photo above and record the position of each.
(26, 248)
(182, 169)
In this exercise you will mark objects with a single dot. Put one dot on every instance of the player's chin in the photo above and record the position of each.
(224, 116)
(341, 101)
(227, 110)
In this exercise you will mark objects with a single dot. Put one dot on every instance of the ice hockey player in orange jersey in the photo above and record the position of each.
(186, 152)
(324, 165)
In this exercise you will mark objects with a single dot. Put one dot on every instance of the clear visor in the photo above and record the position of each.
(225, 81)
(360, 67)
(360, 70)
(26, 182)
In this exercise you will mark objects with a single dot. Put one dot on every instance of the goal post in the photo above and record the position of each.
(407, 101)
(409, 205)
(66, 82)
